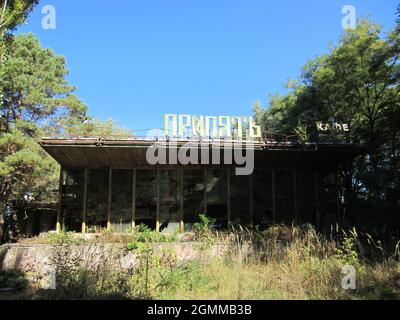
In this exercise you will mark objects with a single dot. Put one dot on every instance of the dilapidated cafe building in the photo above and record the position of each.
(109, 182)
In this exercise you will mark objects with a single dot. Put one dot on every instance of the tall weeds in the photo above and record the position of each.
(278, 263)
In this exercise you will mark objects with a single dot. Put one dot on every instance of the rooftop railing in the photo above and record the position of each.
(106, 132)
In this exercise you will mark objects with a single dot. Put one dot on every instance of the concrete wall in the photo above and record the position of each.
(38, 260)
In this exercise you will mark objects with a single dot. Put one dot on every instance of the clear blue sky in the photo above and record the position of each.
(133, 61)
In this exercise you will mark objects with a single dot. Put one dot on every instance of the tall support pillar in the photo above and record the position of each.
(337, 185)
(205, 190)
(317, 207)
(134, 198)
(296, 213)
(59, 207)
(251, 200)
(158, 202)
(181, 213)
(109, 198)
(273, 195)
(228, 196)
(84, 204)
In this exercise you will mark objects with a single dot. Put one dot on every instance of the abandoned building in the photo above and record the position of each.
(110, 184)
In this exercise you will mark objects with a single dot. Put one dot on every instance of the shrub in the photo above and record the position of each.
(143, 234)
(204, 224)
(188, 277)
(63, 237)
(135, 245)
(346, 252)
(88, 273)
(13, 279)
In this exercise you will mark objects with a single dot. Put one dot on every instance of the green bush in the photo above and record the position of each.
(204, 224)
(13, 279)
(347, 254)
(135, 245)
(188, 277)
(144, 235)
(63, 237)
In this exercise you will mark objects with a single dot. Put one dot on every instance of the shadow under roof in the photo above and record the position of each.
(131, 153)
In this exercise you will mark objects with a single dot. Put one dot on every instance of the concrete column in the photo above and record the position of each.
(205, 190)
(181, 213)
(296, 213)
(251, 200)
(158, 202)
(317, 207)
(273, 195)
(134, 198)
(59, 207)
(109, 198)
(84, 204)
(228, 192)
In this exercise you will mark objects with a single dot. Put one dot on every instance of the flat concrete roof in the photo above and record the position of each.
(131, 153)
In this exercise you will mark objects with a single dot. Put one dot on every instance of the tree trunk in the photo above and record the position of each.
(5, 190)
(1, 226)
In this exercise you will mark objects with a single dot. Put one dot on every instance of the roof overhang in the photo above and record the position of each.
(125, 154)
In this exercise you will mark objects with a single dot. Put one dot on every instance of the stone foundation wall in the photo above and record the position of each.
(38, 260)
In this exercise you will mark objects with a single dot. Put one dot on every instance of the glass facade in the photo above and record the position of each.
(306, 196)
(121, 200)
(193, 196)
(284, 196)
(329, 199)
(176, 197)
(97, 198)
(72, 199)
(217, 198)
(262, 198)
(146, 198)
(170, 196)
(240, 199)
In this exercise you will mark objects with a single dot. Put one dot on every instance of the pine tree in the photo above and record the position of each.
(35, 93)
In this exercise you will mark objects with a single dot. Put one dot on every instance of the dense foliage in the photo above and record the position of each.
(34, 93)
(35, 101)
(357, 83)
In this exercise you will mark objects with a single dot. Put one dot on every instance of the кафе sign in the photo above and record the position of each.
(340, 127)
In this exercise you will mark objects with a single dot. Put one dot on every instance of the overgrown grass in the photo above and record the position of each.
(62, 238)
(140, 233)
(278, 263)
